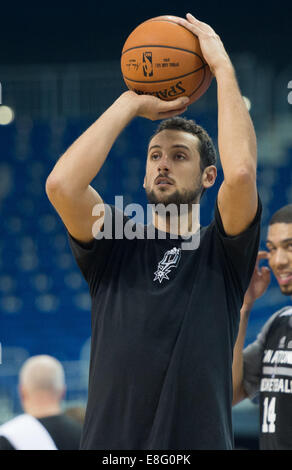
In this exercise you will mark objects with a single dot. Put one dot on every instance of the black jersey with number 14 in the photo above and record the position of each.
(268, 371)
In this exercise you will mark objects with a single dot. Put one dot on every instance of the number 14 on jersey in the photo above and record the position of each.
(269, 415)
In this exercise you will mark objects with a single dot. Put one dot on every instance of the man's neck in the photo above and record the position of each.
(184, 224)
(43, 411)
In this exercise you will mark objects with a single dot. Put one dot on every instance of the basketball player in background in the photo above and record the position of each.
(164, 318)
(265, 368)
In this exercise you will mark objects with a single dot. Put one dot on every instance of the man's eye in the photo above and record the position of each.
(180, 156)
(154, 156)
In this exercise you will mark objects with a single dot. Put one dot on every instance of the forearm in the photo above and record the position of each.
(237, 366)
(236, 134)
(84, 158)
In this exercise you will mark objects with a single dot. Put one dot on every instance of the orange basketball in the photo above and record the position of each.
(164, 59)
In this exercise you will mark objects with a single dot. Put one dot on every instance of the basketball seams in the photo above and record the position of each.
(164, 47)
(200, 84)
(163, 81)
(168, 79)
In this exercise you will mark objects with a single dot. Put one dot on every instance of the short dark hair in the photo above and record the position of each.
(206, 148)
(283, 215)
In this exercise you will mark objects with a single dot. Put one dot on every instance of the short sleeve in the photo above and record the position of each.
(92, 257)
(240, 250)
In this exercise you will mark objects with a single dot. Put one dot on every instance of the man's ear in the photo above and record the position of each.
(209, 176)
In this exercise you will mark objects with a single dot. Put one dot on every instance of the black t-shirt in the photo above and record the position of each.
(268, 372)
(65, 432)
(164, 323)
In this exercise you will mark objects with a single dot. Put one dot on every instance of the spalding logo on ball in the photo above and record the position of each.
(164, 59)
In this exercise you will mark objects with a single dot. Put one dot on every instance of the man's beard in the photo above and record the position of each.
(177, 198)
(179, 209)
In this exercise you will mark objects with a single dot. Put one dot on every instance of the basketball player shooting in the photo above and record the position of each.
(165, 319)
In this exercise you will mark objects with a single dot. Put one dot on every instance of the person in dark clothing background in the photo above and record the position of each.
(263, 369)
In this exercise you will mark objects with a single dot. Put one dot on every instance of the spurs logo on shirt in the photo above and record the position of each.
(170, 260)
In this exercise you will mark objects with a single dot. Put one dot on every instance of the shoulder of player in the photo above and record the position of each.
(273, 319)
(283, 312)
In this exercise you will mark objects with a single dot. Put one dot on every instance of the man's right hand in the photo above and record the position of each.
(153, 108)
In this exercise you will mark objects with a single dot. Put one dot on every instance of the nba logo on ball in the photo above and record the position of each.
(164, 59)
(147, 64)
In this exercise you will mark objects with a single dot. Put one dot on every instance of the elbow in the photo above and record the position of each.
(239, 394)
(54, 187)
(236, 399)
(242, 177)
(59, 190)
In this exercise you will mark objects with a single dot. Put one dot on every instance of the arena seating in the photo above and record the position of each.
(44, 302)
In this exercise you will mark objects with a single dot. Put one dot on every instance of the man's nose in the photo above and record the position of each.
(164, 163)
(281, 258)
